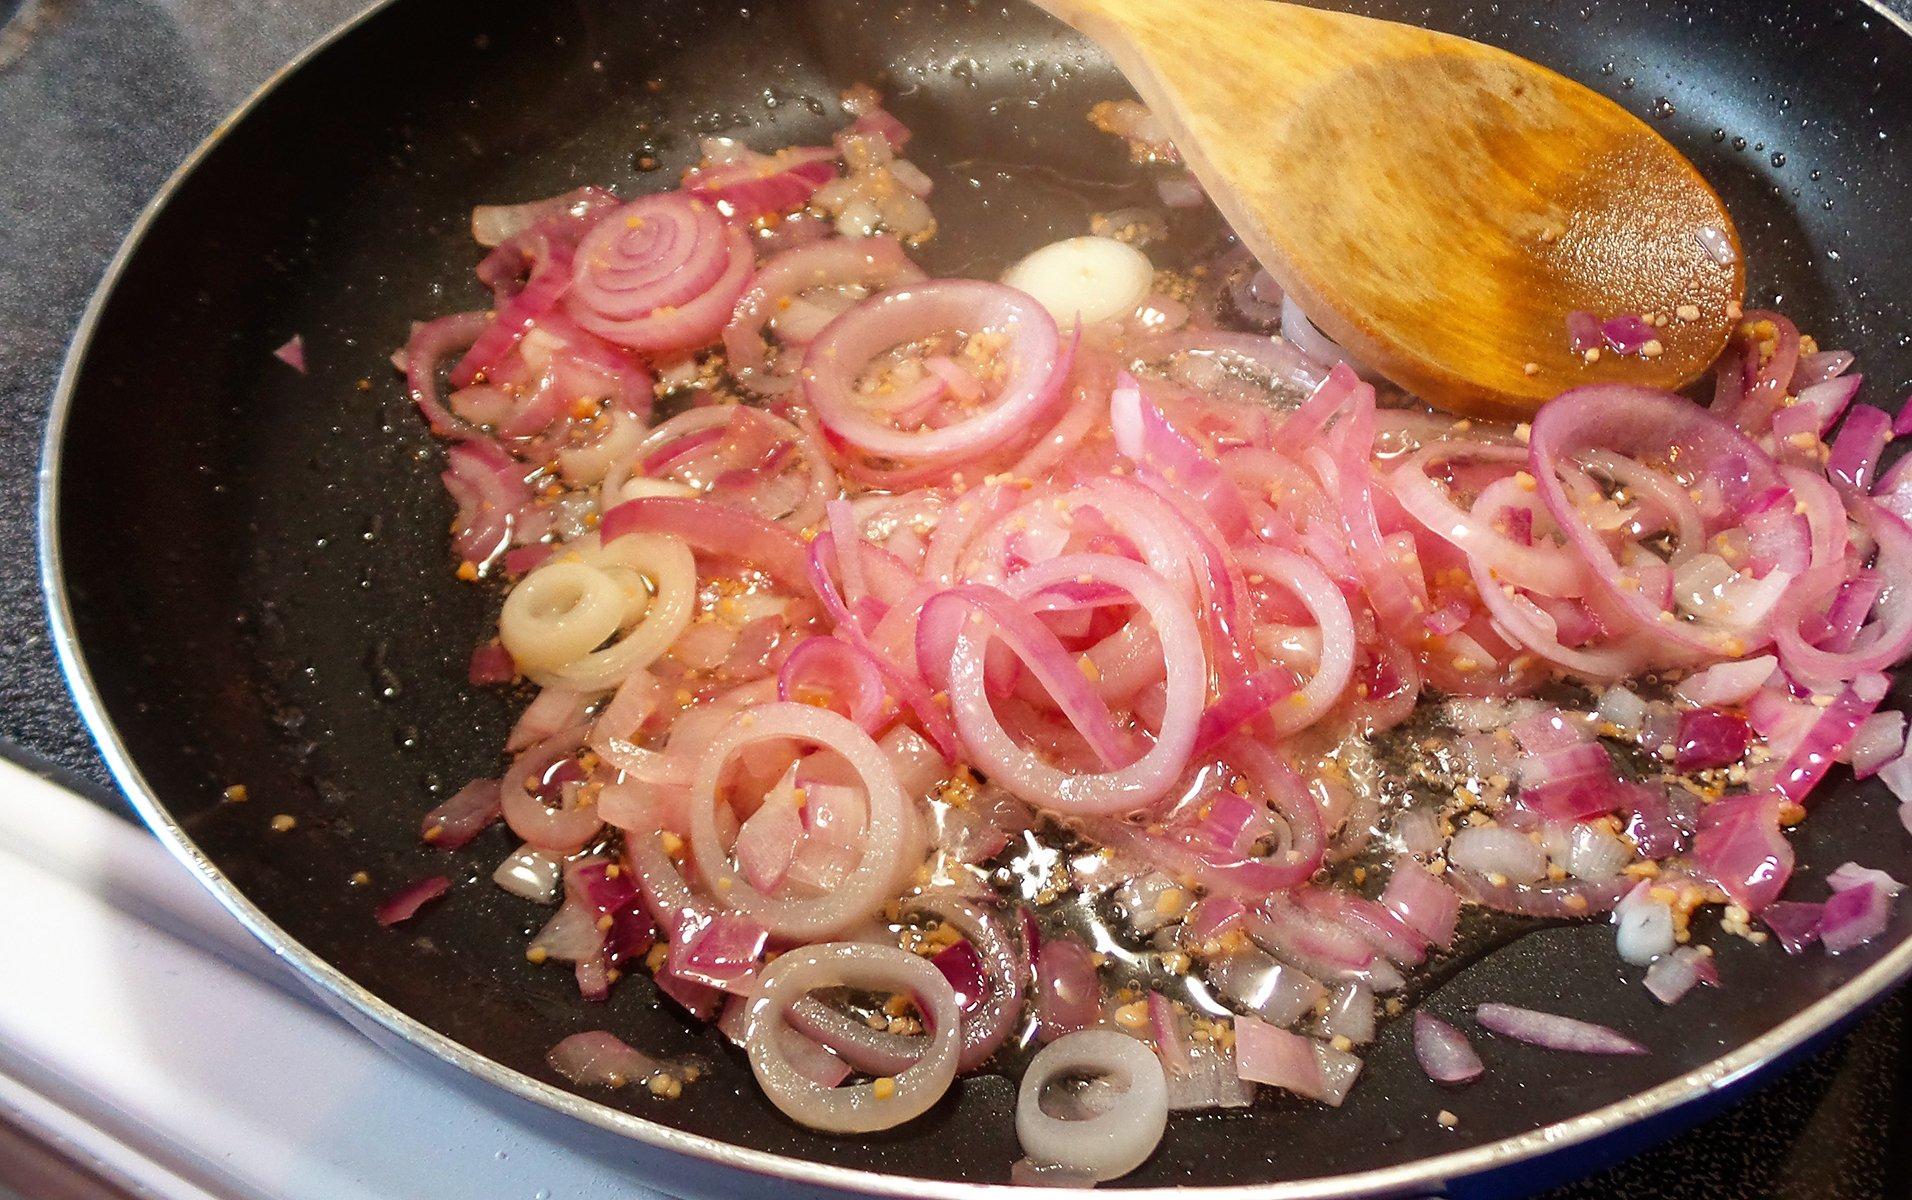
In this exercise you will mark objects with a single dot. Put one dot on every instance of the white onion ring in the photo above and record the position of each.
(876, 875)
(1114, 1141)
(858, 1107)
(648, 580)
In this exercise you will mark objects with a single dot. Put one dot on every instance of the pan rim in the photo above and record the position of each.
(315, 972)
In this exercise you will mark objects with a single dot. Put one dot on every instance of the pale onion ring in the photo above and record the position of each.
(874, 879)
(862, 1107)
(1113, 1142)
(656, 577)
(834, 364)
(1023, 772)
(871, 262)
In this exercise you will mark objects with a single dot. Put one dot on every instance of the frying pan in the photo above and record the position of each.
(250, 580)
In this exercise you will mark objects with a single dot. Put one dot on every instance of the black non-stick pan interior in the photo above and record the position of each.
(257, 566)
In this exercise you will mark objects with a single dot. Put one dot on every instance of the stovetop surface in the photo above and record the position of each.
(100, 99)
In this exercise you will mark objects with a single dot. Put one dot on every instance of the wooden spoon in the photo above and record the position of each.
(1437, 206)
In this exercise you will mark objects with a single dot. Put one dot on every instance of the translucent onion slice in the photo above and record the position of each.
(1114, 1141)
(1024, 771)
(862, 1107)
(1035, 366)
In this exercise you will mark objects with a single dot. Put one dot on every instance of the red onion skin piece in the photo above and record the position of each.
(491, 665)
(1068, 993)
(1554, 1032)
(463, 816)
(1444, 1051)
(405, 903)
(292, 354)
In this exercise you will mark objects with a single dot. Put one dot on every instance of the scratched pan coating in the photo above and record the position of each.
(252, 579)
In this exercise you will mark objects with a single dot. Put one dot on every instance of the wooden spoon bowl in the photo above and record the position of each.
(1437, 206)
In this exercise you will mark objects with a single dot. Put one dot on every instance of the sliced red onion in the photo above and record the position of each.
(1878, 740)
(495, 224)
(660, 274)
(875, 263)
(1794, 923)
(1444, 1051)
(452, 825)
(713, 528)
(1350, 1014)
(1165, 1029)
(1267, 1054)
(1709, 738)
(1626, 421)
(1110, 1143)
(1180, 191)
(490, 488)
(1147, 439)
(1561, 901)
(721, 950)
(1823, 743)
(529, 873)
(1422, 901)
(1138, 783)
(767, 843)
(1718, 244)
(760, 185)
(431, 343)
(1554, 1032)
(1497, 850)
(863, 1107)
(1273, 990)
(1855, 916)
(1676, 974)
(1728, 682)
(404, 904)
(1627, 333)
(1644, 925)
(1851, 875)
(1854, 461)
(988, 979)
(1035, 366)
(1743, 850)
(491, 665)
(540, 795)
(1419, 831)
(554, 710)
(1583, 331)
(874, 879)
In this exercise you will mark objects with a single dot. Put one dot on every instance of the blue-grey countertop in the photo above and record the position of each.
(99, 99)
